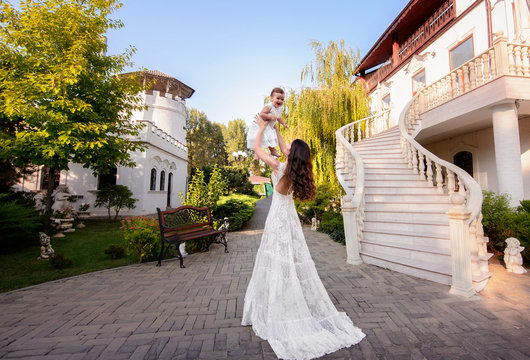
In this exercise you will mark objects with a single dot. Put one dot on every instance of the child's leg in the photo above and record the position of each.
(274, 152)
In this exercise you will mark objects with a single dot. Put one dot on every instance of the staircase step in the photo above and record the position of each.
(440, 273)
(404, 228)
(420, 198)
(392, 177)
(404, 216)
(397, 183)
(378, 155)
(369, 151)
(386, 165)
(407, 207)
(383, 170)
(384, 142)
(413, 252)
(407, 239)
(384, 160)
(403, 190)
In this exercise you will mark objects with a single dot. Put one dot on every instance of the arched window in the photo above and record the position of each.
(169, 188)
(162, 180)
(152, 186)
(464, 160)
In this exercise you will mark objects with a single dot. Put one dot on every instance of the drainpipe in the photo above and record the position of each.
(488, 21)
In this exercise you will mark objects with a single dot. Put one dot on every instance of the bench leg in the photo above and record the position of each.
(180, 255)
(160, 256)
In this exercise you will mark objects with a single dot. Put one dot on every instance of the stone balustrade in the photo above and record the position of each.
(154, 133)
(502, 59)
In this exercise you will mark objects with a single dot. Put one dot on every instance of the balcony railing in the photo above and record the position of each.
(437, 21)
(501, 59)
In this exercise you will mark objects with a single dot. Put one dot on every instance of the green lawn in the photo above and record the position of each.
(84, 246)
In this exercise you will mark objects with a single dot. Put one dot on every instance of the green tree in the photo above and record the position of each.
(235, 137)
(115, 197)
(59, 90)
(206, 145)
(335, 99)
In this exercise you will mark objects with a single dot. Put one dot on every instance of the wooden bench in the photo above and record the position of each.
(188, 223)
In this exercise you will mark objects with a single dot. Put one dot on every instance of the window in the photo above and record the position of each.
(152, 186)
(44, 172)
(162, 180)
(386, 101)
(418, 81)
(107, 179)
(169, 188)
(461, 53)
(464, 160)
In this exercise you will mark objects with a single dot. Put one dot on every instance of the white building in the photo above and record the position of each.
(449, 82)
(161, 170)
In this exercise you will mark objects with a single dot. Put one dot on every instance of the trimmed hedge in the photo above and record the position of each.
(237, 207)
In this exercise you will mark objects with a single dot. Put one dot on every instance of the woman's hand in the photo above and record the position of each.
(261, 122)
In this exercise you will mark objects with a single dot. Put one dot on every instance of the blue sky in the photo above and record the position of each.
(233, 52)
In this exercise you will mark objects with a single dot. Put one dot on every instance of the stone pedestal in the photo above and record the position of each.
(349, 213)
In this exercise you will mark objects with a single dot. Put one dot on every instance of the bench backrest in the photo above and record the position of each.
(185, 218)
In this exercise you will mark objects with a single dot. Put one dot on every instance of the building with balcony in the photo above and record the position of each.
(449, 82)
(160, 173)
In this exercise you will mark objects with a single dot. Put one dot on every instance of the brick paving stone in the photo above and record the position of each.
(147, 312)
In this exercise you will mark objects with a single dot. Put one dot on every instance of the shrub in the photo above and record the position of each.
(115, 251)
(115, 197)
(201, 193)
(500, 222)
(326, 201)
(333, 225)
(19, 225)
(59, 261)
(142, 236)
(238, 208)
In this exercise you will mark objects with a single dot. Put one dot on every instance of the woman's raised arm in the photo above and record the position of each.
(260, 153)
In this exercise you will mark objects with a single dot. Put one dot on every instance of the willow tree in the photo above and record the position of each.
(333, 100)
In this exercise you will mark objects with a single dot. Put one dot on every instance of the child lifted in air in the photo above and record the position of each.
(271, 113)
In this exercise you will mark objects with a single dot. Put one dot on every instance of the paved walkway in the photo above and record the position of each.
(148, 312)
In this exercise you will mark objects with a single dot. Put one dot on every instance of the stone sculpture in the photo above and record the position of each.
(45, 247)
(512, 256)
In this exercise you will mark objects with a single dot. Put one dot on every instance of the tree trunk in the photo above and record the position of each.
(49, 200)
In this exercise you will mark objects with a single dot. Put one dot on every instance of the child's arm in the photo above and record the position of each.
(280, 120)
(260, 153)
(266, 114)
(283, 146)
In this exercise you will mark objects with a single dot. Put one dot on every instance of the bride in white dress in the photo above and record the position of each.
(286, 302)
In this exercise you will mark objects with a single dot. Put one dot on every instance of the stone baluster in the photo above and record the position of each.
(461, 187)
(450, 182)
(429, 171)
(459, 82)
(472, 75)
(462, 276)
(511, 62)
(454, 85)
(518, 63)
(359, 133)
(486, 68)
(351, 129)
(526, 61)
(439, 178)
(447, 96)
(479, 75)
(465, 82)
(421, 166)
(409, 155)
(346, 134)
(414, 160)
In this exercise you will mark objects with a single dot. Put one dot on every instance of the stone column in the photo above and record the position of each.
(349, 214)
(508, 151)
(462, 276)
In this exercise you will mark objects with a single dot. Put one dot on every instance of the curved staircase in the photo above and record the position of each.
(405, 220)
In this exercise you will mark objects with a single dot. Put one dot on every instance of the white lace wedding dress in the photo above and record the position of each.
(286, 302)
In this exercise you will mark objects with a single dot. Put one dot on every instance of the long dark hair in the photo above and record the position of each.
(299, 171)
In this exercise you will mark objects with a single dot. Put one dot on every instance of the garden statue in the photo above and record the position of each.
(45, 246)
(314, 224)
(512, 256)
(60, 197)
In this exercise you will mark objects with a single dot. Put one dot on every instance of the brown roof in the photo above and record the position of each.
(415, 13)
(166, 84)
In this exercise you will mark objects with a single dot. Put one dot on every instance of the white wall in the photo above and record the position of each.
(480, 144)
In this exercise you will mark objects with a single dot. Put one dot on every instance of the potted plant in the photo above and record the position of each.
(63, 218)
(82, 214)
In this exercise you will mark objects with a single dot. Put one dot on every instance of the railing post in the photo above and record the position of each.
(462, 277)
(349, 213)
(500, 55)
